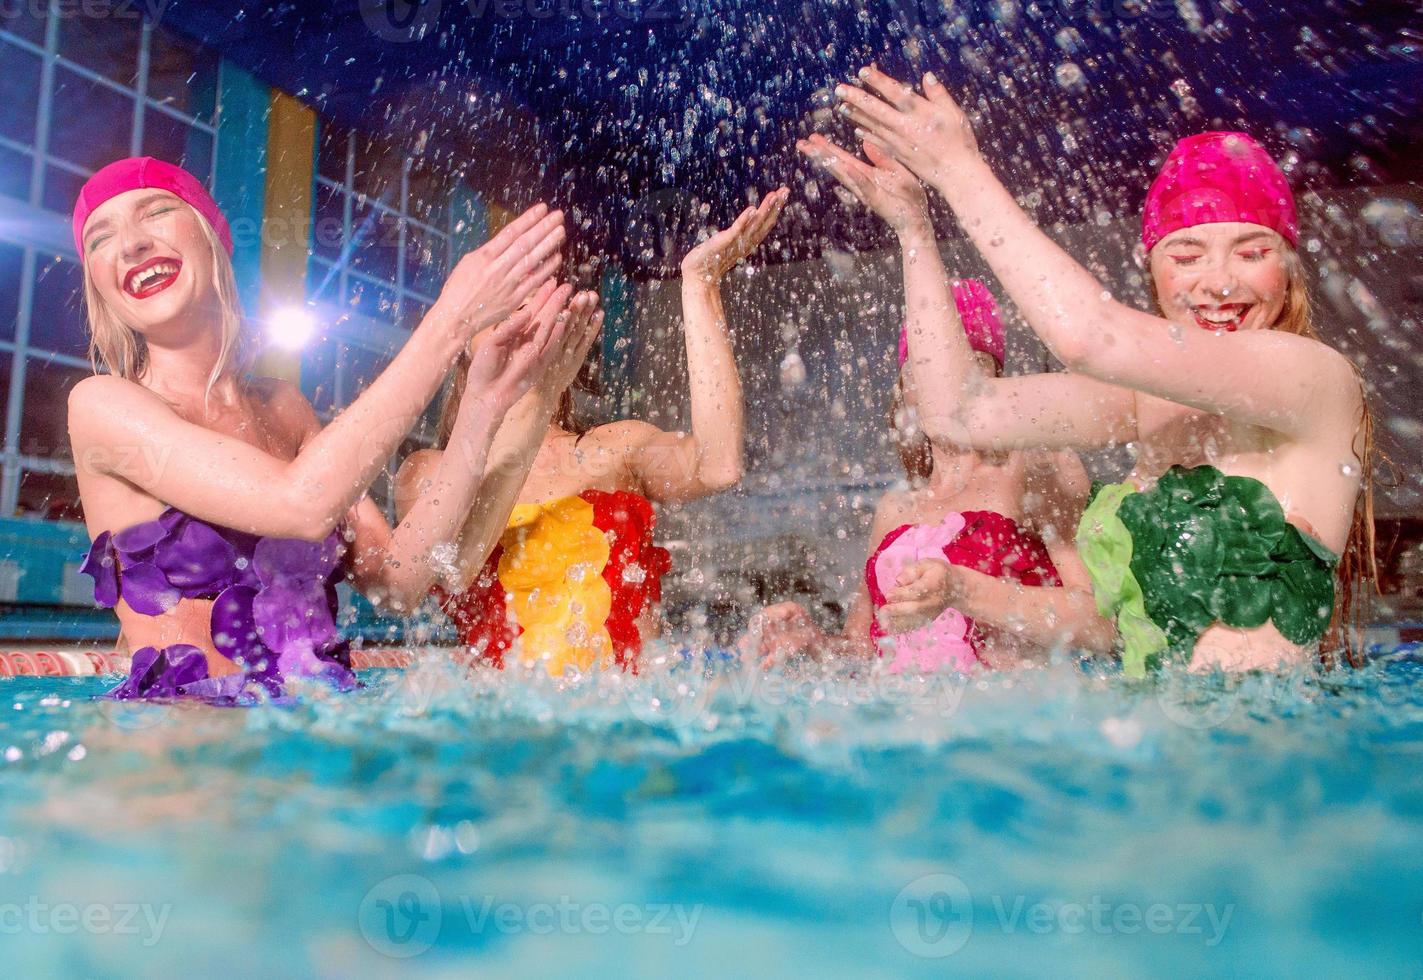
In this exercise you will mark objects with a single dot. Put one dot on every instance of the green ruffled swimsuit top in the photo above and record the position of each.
(1198, 549)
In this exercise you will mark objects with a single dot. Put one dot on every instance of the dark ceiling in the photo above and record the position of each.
(648, 117)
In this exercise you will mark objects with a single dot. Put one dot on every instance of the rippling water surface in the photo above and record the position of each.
(708, 822)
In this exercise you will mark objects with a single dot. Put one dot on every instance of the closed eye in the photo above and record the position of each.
(1255, 255)
(1184, 259)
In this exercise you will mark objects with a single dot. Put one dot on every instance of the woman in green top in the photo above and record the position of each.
(1252, 436)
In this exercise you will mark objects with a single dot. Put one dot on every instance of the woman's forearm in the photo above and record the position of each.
(1064, 303)
(938, 347)
(718, 424)
(425, 542)
(336, 465)
(1043, 618)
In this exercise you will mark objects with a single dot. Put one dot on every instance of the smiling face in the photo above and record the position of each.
(1229, 276)
(150, 260)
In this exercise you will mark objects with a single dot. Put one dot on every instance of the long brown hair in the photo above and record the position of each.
(564, 417)
(1357, 575)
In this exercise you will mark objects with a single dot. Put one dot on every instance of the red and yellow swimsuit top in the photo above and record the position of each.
(569, 578)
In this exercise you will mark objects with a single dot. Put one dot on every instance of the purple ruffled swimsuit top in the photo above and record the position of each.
(273, 614)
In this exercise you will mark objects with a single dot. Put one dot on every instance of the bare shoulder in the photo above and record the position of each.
(622, 434)
(281, 396)
(284, 404)
(95, 398)
(894, 505)
(418, 465)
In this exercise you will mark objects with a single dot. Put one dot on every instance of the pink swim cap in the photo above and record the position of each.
(979, 312)
(140, 173)
(1217, 177)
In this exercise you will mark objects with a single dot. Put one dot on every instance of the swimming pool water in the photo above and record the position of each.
(708, 822)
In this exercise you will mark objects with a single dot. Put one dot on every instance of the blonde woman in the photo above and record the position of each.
(222, 511)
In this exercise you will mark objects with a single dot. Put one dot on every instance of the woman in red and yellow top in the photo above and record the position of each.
(575, 577)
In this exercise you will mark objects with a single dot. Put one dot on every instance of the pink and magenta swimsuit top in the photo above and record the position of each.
(982, 540)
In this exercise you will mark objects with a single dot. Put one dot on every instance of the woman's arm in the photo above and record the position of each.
(1020, 620)
(961, 408)
(122, 430)
(504, 366)
(1261, 377)
(486, 514)
(672, 466)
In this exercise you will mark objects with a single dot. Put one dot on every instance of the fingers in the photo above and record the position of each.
(936, 93)
(896, 93)
(882, 159)
(763, 219)
(540, 275)
(550, 299)
(534, 245)
(514, 229)
(860, 105)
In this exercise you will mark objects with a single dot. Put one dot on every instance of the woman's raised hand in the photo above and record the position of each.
(884, 185)
(490, 283)
(535, 345)
(929, 133)
(719, 254)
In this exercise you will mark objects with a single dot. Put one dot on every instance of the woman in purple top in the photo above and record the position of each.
(222, 511)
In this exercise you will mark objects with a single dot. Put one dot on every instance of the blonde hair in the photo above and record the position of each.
(115, 347)
(1358, 565)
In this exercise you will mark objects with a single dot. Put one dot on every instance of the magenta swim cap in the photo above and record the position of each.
(1217, 177)
(979, 312)
(140, 173)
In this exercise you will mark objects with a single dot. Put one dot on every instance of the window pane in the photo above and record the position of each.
(54, 496)
(14, 174)
(318, 374)
(425, 255)
(327, 231)
(430, 189)
(61, 190)
(6, 360)
(91, 124)
(25, 20)
(42, 426)
(21, 71)
(181, 74)
(412, 311)
(11, 257)
(107, 45)
(331, 151)
(376, 302)
(377, 171)
(378, 243)
(58, 321)
(177, 142)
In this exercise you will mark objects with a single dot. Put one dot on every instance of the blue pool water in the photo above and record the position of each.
(688, 825)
